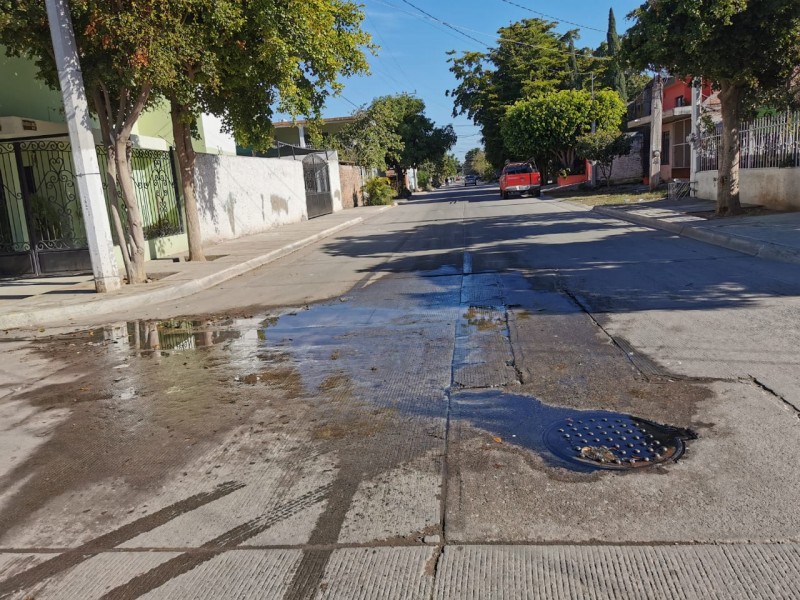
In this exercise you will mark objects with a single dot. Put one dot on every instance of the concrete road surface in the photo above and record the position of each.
(466, 397)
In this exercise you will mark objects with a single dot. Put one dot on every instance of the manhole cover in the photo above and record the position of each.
(609, 441)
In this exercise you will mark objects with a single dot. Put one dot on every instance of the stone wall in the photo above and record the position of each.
(773, 188)
(242, 195)
(352, 186)
(628, 168)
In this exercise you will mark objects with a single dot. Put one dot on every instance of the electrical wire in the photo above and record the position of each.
(546, 16)
(445, 23)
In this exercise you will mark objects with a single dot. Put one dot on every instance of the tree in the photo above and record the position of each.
(740, 45)
(530, 58)
(236, 61)
(615, 76)
(121, 46)
(475, 163)
(549, 126)
(602, 147)
(393, 131)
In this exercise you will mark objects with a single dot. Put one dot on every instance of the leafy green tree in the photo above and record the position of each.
(615, 76)
(548, 126)
(229, 57)
(602, 147)
(448, 166)
(393, 132)
(530, 58)
(740, 45)
(475, 163)
(239, 63)
(122, 47)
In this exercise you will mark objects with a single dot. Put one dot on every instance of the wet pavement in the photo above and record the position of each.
(401, 439)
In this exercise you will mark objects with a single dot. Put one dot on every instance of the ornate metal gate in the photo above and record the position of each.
(41, 224)
(319, 200)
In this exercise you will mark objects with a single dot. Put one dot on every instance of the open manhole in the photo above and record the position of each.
(614, 441)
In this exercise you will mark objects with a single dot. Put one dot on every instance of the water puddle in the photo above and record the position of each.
(374, 346)
(569, 438)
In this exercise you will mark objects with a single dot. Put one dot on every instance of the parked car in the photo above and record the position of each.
(470, 180)
(520, 178)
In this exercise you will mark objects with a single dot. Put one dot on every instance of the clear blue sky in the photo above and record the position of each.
(412, 47)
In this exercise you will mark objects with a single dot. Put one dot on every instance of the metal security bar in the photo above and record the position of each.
(156, 189)
(679, 189)
(768, 142)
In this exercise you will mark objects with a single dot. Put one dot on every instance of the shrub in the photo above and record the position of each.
(379, 191)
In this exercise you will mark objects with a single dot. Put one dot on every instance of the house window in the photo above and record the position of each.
(682, 151)
(665, 148)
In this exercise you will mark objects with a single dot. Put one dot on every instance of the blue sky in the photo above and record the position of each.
(412, 47)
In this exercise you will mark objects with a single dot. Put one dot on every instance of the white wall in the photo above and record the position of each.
(216, 141)
(773, 188)
(336, 180)
(242, 195)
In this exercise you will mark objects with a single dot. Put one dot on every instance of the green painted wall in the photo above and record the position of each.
(22, 95)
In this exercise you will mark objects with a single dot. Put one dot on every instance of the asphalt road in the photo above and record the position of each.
(380, 416)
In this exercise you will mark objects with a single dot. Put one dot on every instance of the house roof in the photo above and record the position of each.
(279, 124)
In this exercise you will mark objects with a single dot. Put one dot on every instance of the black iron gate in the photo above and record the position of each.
(319, 200)
(41, 222)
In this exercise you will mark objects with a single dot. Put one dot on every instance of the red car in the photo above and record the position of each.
(519, 178)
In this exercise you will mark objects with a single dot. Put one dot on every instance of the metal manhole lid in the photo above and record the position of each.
(615, 441)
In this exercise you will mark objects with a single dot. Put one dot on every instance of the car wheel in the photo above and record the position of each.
(536, 193)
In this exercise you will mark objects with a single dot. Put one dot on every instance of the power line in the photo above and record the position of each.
(546, 16)
(460, 29)
(445, 23)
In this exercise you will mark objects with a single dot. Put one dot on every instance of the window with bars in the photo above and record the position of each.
(681, 150)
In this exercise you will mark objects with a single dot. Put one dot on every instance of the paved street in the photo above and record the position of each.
(387, 414)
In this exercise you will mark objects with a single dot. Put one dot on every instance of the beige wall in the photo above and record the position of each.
(773, 188)
(352, 186)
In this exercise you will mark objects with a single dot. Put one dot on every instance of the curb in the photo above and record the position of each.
(760, 249)
(52, 315)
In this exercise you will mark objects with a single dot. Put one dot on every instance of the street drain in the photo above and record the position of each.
(613, 441)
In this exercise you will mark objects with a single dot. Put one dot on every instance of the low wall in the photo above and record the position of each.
(352, 186)
(242, 195)
(773, 188)
(629, 167)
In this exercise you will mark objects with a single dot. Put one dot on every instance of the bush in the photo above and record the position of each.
(379, 191)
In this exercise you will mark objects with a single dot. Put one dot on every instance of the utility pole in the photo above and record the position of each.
(593, 181)
(655, 132)
(84, 155)
(694, 137)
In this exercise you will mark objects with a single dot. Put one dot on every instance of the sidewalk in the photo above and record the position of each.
(53, 300)
(773, 236)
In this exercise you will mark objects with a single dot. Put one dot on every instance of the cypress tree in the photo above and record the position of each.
(616, 76)
(575, 80)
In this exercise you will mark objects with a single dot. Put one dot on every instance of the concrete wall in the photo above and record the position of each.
(352, 186)
(241, 195)
(335, 179)
(773, 188)
(629, 167)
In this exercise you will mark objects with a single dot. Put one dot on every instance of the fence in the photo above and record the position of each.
(155, 183)
(768, 142)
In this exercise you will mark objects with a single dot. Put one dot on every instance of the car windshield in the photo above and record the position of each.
(517, 169)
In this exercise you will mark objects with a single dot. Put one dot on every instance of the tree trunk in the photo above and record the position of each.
(182, 132)
(135, 226)
(730, 97)
(116, 219)
(101, 108)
